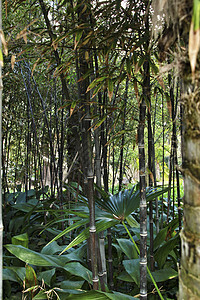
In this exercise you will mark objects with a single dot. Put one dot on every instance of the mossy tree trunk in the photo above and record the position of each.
(189, 279)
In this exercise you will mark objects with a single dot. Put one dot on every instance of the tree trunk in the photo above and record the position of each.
(189, 282)
(189, 277)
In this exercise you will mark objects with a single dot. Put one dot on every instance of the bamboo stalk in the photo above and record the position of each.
(138, 251)
(1, 221)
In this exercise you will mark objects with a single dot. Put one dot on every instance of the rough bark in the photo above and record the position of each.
(189, 280)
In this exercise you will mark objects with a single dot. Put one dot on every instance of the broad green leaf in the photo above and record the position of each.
(160, 238)
(128, 248)
(164, 274)
(9, 274)
(124, 276)
(132, 267)
(21, 239)
(47, 276)
(118, 296)
(98, 295)
(51, 248)
(162, 235)
(68, 284)
(162, 253)
(35, 258)
(40, 296)
(89, 295)
(77, 269)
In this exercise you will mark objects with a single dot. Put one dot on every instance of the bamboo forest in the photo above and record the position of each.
(100, 149)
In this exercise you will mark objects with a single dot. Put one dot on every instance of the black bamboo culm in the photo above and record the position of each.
(28, 93)
(86, 140)
(151, 168)
(142, 175)
(123, 138)
(154, 166)
(143, 204)
(163, 159)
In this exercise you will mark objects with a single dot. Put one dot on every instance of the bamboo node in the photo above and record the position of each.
(143, 234)
(92, 229)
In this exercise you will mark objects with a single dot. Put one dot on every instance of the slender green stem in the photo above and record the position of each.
(149, 272)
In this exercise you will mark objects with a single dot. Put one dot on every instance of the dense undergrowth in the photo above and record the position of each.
(34, 268)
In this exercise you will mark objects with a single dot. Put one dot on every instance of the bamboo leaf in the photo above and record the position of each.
(100, 122)
(69, 228)
(92, 85)
(100, 226)
(110, 88)
(140, 63)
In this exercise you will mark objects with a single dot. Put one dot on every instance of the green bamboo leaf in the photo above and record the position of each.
(100, 226)
(92, 85)
(100, 122)
(69, 228)
(110, 88)
(140, 63)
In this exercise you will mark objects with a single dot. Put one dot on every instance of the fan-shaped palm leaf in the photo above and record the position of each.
(124, 203)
